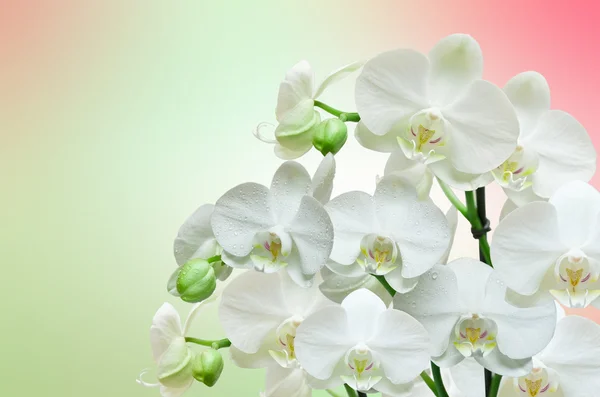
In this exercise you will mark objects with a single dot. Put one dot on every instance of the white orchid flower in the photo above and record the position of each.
(546, 249)
(285, 226)
(260, 314)
(337, 286)
(568, 367)
(393, 233)
(171, 353)
(363, 344)
(554, 148)
(295, 110)
(462, 306)
(439, 110)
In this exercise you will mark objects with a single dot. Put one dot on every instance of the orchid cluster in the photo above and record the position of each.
(356, 292)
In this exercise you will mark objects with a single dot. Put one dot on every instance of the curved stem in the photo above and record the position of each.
(495, 385)
(344, 116)
(332, 393)
(429, 382)
(453, 199)
(439, 383)
(351, 392)
(215, 344)
(215, 258)
(386, 285)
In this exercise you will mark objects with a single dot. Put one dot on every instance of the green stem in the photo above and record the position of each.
(453, 199)
(332, 393)
(361, 394)
(495, 385)
(429, 382)
(215, 344)
(351, 392)
(439, 383)
(473, 217)
(215, 258)
(344, 116)
(386, 285)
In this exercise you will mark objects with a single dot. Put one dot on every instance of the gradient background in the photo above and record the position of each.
(119, 118)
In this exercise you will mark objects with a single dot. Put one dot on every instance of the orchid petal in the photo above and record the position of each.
(322, 183)
(239, 214)
(401, 344)
(252, 306)
(530, 94)
(290, 183)
(195, 238)
(391, 88)
(456, 61)
(484, 128)
(525, 245)
(419, 227)
(435, 304)
(564, 149)
(353, 217)
(297, 86)
(336, 76)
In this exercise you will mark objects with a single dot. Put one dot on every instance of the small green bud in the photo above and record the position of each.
(207, 367)
(330, 136)
(196, 281)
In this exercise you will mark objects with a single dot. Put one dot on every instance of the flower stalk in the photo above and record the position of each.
(344, 116)
(429, 382)
(439, 383)
(215, 344)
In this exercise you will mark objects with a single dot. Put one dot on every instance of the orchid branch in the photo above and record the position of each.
(215, 344)
(344, 116)
(495, 385)
(453, 199)
(332, 393)
(474, 217)
(429, 382)
(351, 392)
(439, 383)
(386, 285)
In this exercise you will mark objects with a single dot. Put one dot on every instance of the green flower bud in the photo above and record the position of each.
(196, 281)
(330, 136)
(207, 367)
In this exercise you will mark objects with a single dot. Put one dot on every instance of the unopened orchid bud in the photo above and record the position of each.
(330, 136)
(207, 367)
(196, 281)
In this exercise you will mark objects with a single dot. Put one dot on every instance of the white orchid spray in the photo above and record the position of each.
(355, 294)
